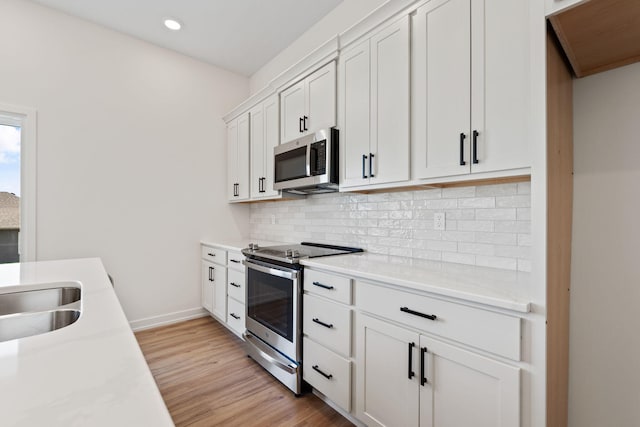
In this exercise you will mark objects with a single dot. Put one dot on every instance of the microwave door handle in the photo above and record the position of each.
(308, 160)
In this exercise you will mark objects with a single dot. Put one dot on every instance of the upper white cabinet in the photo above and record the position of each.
(470, 87)
(238, 158)
(264, 136)
(374, 107)
(309, 105)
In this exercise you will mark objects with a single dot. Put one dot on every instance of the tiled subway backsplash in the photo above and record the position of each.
(488, 225)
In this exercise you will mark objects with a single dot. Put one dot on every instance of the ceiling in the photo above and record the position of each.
(239, 35)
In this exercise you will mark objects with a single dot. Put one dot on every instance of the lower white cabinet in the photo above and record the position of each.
(223, 286)
(214, 292)
(405, 378)
(327, 330)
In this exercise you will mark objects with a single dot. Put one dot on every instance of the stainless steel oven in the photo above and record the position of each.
(274, 295)
(274, 306)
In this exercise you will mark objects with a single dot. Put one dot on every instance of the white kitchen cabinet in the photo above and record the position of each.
(405, 378)
(309, 105)
(374, 107)
(264, 136)
(238, 159)
(327, 331)
(470, 88)
(214, 281)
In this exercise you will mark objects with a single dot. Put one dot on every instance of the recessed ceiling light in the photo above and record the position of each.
(172, 24)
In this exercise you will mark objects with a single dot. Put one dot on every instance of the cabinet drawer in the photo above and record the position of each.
(338, 386)
(236, 285)
(328, 323)
(235, 316)
(235, 260)
(328, 285)
(486, 330)
(219, 256)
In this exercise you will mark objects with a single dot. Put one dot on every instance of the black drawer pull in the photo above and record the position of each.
(423, 378)
(235, 316)
(475, 147)
(234, 284)
(462, 138)
(210, 254)
(320, 322)
(235, 260)
(417, 313)
(411, 374)
(320, 285)
(327, 376)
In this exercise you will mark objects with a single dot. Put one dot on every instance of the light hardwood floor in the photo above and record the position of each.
(206, 379)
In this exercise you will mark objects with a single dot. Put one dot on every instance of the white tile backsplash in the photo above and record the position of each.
(487, 225)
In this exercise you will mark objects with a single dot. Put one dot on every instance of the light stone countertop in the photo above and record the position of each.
(503, 289)
(90, 373)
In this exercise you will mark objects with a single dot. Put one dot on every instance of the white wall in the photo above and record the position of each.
(339, 19)
(604, 370)
(131, 152)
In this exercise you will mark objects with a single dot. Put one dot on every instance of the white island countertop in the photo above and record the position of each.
(503, 289)
(90, 373)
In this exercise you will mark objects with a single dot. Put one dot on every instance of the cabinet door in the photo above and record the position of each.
(466, 389)
(271, 140)
(292, 104)
(238, 159)
(232, 159)
(219, 275)
(501, 73)
(441, 89)
(390, 104)
(386, 396)
(207, 285)
(243, 157)
(355, 119)
(256, 136)
(320, 89)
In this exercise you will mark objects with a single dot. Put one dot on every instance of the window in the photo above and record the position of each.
(17, 184)
(10, 136)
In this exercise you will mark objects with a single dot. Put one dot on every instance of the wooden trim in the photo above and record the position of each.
(599, 35)
(414, 187)
(559, 218)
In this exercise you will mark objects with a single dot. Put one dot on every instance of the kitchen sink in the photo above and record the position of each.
(38, 299)
(32, 312)
(21, 325)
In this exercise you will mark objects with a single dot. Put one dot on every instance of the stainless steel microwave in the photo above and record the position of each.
(309, 164)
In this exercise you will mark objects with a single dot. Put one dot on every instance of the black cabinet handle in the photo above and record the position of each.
(417, 313)
(411, 374)
(235, 285)
(364, 159)
(462, 138)
(423, 378)
(475, 147)
(327, 376)
(320, 322)
(371, 175)
(320, 285)
(235, 316)
(300, 125)
(211, 274)
(235, 260)
(304, 122)
(210, 254)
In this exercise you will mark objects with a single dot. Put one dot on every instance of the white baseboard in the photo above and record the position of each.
(167, 319)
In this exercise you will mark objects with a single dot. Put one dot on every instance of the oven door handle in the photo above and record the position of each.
(264, 351)
(287, 274)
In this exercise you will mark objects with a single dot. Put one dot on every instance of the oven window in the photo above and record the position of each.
(270, 302)
(291, 164)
